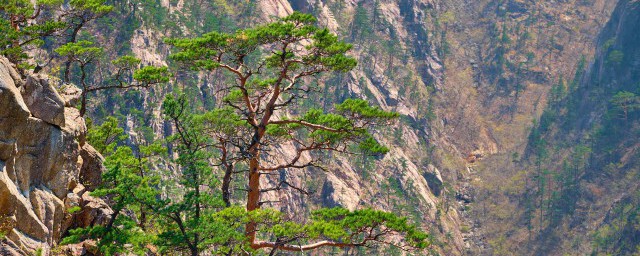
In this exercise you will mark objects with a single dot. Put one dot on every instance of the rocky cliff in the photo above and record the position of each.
(42, 151)
(471, 80)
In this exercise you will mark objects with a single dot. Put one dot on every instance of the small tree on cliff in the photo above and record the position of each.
(625, 102)
(270, 64)
(85, 54)
(21, 26)
(26, 24)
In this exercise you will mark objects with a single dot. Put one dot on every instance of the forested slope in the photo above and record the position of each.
(517, 121)
(573, 190)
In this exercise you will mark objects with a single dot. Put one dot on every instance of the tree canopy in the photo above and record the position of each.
(194, 207)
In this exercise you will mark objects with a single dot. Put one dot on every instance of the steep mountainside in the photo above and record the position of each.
(598, 124)
(510, 140)
(574, 188)
(398, 70)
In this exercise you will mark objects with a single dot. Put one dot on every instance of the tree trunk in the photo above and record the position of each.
(226, 181)
(83, 104)
(253, 197)
(226, 184)
(67, 64)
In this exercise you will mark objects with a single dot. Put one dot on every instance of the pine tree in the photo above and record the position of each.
(26, 24)
(270, 64)
(625, 102)
(21, 27)
(193, 207)
(85, 55)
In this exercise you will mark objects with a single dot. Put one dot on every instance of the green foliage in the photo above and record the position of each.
(27, 24)
(129, 185)
(84, 54)
(371, 146)
(617, 235)
(361, 26)
(126, 61)
(190, 208)
(342, 224)
(625, 102)
(21, 29)
(74, 209)
(615, 57)
(202, 53)
(105, 137)
(360, 108)
(191, 202)
(82, 51)
(96, 7)
(268, 62)
(151, 75)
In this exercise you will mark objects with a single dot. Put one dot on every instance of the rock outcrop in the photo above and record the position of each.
(40, 163)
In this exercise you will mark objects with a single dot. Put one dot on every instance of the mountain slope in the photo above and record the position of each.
(506, 116)
(574, 190)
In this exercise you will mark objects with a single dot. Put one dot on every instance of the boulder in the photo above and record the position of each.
(94, 212)
(50, 210)
(28, 244)
(92, 167)
(8, 69)
(13, 204)
(12, 105)
(9, 248)
(7, 148)
(75, 125)
(46, 155)
(43, 100)
(71, 95)
(84, 248)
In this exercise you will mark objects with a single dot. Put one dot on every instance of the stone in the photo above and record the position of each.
(71, 95)
(13, 203)
(12, 105)
(74, 249)
(50, 210)
(434, 180)
(27, 243)
(40, 163)
(75, 125)
(46, 156)
(72, 200)
(94, 212)
(9, 248)
(92, 167)
(7, 68)
(84, 248)
(7, 148)
(43, 100)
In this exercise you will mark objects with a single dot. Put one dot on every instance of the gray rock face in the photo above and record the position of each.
(40, 163)
(11, 103)
(43, 100)
(92, 167)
